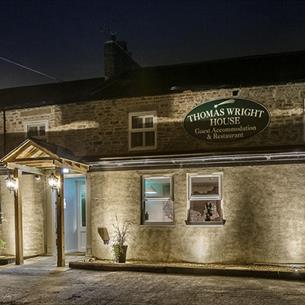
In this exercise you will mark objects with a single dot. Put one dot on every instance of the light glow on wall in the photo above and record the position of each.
(77, 125)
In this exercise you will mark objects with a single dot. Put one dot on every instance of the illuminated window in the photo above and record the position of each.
(157, 205)
(36, 129)
(142, 130)
(205, 199)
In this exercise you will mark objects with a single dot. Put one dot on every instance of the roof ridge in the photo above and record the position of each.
(229, 59)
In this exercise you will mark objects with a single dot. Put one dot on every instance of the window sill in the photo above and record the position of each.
(206, 224)
(158, 225)
(142, 148)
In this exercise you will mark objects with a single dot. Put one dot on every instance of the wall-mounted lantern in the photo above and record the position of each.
(53, 182)
(11, 183)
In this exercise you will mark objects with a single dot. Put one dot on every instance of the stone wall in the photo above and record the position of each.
(100, 128)
(33, 200)
(264, 207)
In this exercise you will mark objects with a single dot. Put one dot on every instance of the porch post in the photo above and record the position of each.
(60, 242)
(88, 216)
(18, 219)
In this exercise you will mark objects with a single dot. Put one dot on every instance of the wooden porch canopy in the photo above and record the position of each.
(41, 158)
(36, 156)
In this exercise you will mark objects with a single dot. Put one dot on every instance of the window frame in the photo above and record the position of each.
(215, 197)
(37, 123)
(143, 198)
(142, 130)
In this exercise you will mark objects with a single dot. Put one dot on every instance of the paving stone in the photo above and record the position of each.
(40, 286)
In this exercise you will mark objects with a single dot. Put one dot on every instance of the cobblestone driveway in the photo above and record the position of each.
(39, 282)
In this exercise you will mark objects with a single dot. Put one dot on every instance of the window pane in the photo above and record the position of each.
(32, 131)
(202, 186)
(158, 211)
(150, 138)
(137, 122)
(157, 187)
(149, 122)
(136, 139)
(205, 211)
(42, 130)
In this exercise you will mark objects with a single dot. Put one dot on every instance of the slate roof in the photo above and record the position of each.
(147, 81)
(49, 94)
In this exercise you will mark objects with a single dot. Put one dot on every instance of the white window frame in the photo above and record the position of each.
(143, 199)
(37, 123)
(142, 130)
(218, 196)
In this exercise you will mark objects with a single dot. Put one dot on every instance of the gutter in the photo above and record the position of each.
(192, 160)
(178, 161)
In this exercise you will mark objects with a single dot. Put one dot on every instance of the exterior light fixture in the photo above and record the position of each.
(65, 170)
(53, 182)
(11, 183)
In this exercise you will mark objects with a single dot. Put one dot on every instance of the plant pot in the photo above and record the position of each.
(120, 253)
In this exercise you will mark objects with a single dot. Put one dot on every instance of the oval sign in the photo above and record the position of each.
(226, 120)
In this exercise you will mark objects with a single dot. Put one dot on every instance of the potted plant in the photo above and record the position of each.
(2, 245)
(120, 236)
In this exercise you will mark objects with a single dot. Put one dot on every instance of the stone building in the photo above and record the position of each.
(206, 160)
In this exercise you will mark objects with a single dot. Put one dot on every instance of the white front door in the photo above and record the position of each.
(75, 214)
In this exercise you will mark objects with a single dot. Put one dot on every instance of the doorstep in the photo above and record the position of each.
(287, 272)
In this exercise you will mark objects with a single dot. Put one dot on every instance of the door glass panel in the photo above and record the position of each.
(83, 204)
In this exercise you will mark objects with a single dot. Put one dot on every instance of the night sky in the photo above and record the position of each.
(65, 38)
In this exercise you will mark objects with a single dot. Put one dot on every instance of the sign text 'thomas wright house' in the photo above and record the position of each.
(225, 120)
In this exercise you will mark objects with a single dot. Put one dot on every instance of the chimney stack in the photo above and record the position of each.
(117, 59)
